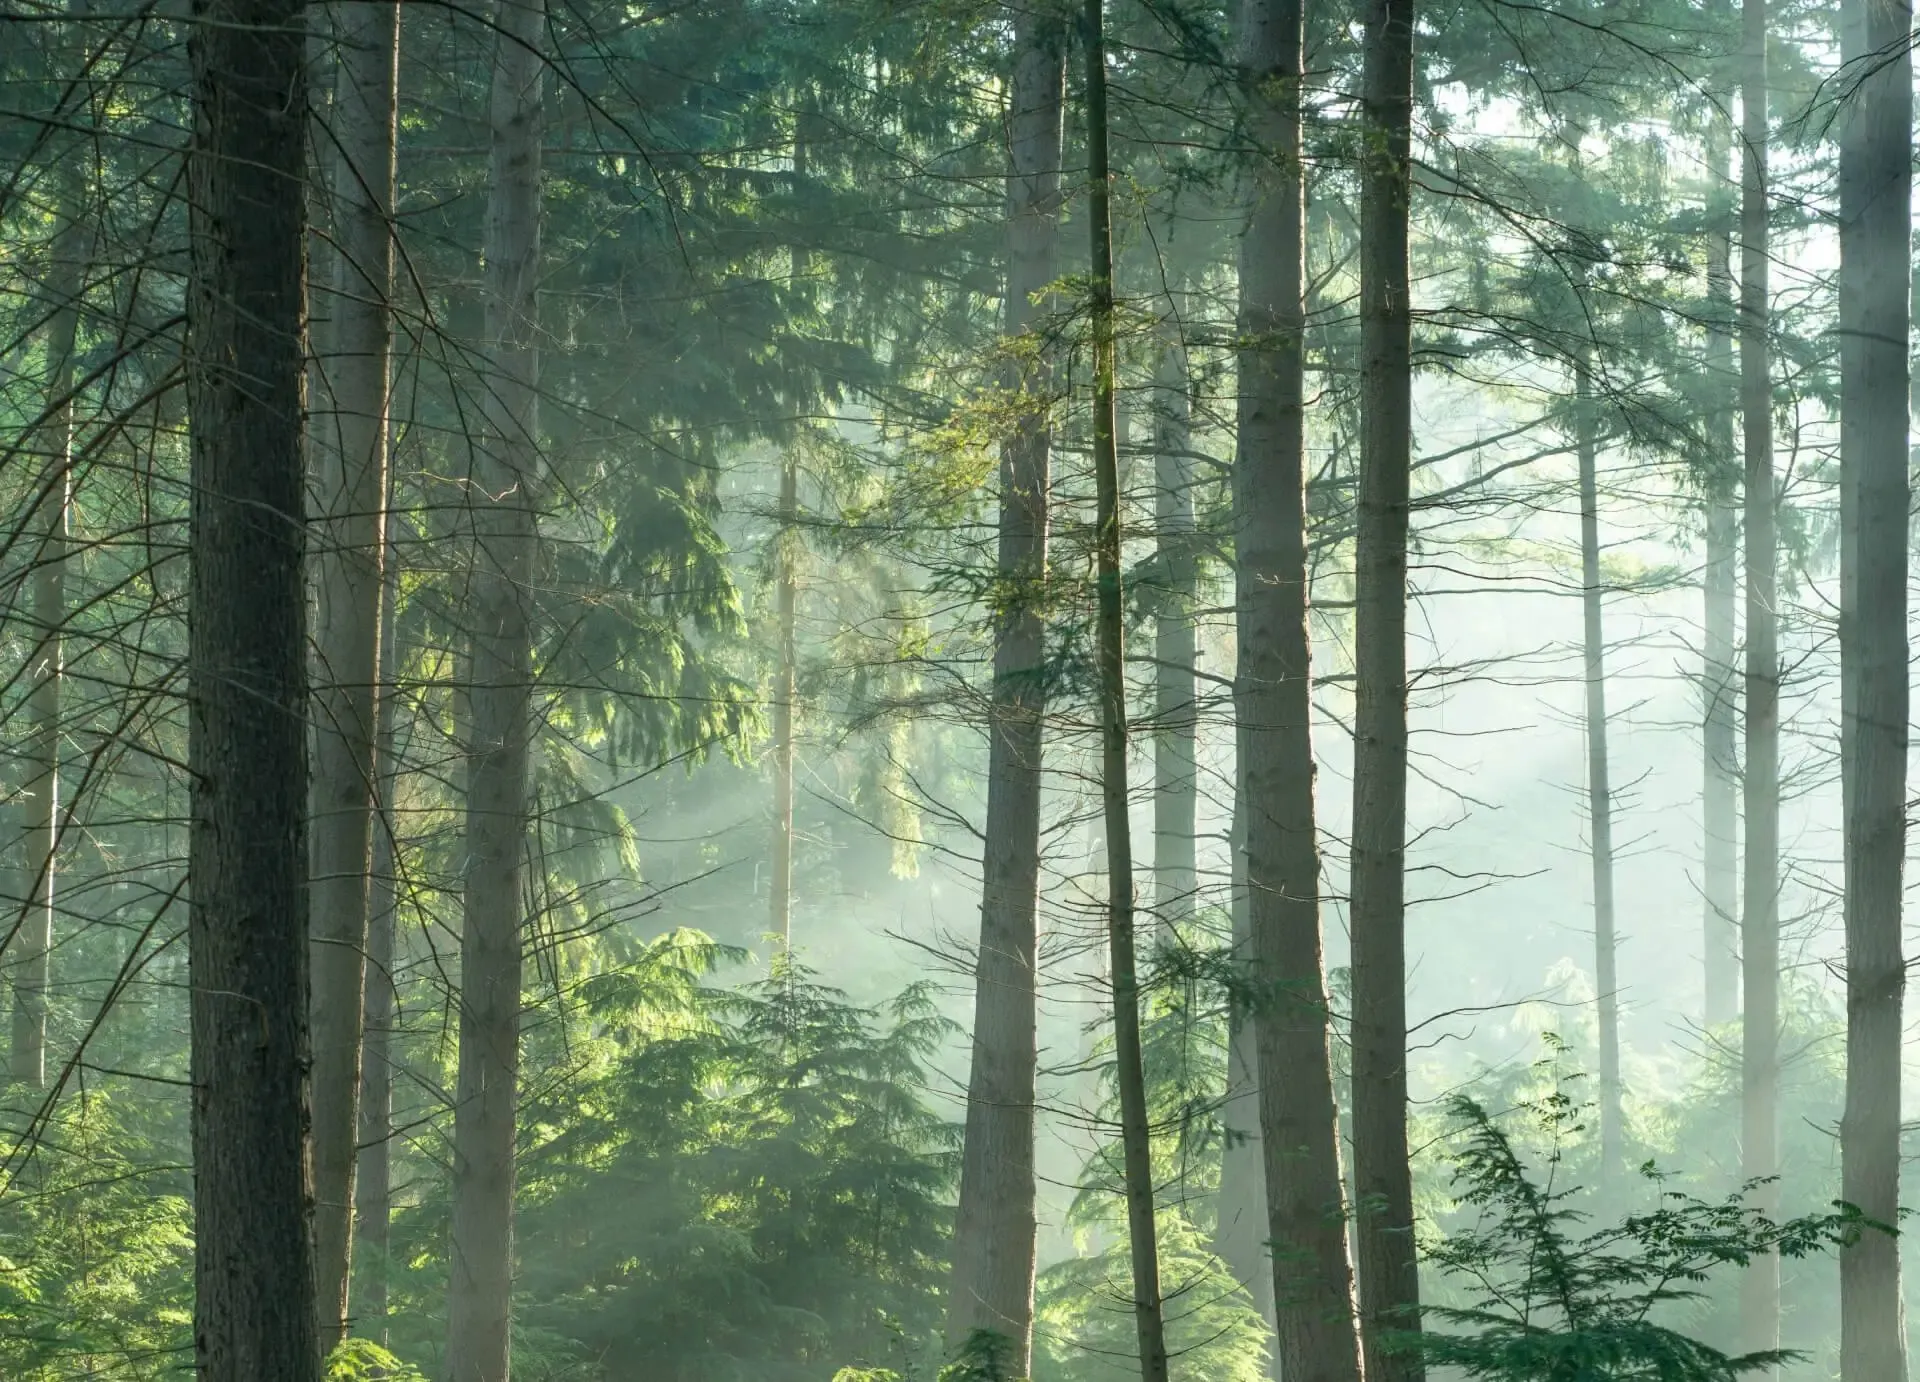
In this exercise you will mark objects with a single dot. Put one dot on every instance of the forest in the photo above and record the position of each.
(956, 690)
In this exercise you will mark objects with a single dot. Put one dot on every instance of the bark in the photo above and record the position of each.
(347, 558)
(500, 674)
(780, 887)
(1386, 1257)
(40, 749)
(1240, 1233)
(373, 1183)
(247, 920)
(1719, 676)
(1760, 920)
(993, 1247)
(1606, 980)
(1875, 180)
(1129, 1072)
(1175, 646)
(1313, 1276)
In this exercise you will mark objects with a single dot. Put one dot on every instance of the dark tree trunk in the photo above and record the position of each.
(1388, 1263)
(1136, 1134)
(1760, 921)
(247, 922)
(1876, 181)
(348, 550)
(994, 1232)
(1313, 1275)
(499, 717)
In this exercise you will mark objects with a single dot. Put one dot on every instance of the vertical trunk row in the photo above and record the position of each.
(373, 1182)
(1175, 647)
(1719, 792)
(1760, 922)
(500, 675)
(780, 887)
(1136, 1136)
(994, 1230)
(347, 559)
(1606, 979)
(1876, 179)
(1312, 1274)
(40, 750)
(1388, 1263)
(246, 659)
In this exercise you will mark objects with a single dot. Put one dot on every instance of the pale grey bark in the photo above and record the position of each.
(347, 552)
(1176, 792)
(994, 1229)
(499, 677)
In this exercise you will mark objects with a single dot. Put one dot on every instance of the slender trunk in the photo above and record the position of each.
(373, 1185)
(1240, 1234)
(1175, 646)
(1599, 793)
(1312, 1272)
(1876, 179)
(246, 660)
(1136, 1135)
(994, 1230)
(500, 656)
(1759, 923)
(347, 559)
(780, 887)
(1388, 1263)
(1719, 685)
(40, 750)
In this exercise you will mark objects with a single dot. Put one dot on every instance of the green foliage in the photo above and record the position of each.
(359, 1360)
(1549, 1300)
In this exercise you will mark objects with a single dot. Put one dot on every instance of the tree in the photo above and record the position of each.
(1313, 1278)
(499, 722)
(1875, 184)
(349, 552)
(1760, 919)
(1176, 719)
(994, 1228)
(1387, 1260)
(247, 921)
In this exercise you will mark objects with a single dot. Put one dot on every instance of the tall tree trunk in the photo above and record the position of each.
(47, 670)
(373, 1185)
(1240, 1233)
(1175, 645)
(500, 658)
(1312, 1273)
(246, 660)
(1719, 793)
(1606, 980)
(347, 559)
(1876, 179)
(994, 1230)
(780, 887)
(1136, 1134)
(1388, 1262)
(1760, 922)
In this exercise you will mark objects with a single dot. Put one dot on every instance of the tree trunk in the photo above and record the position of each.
(247, 920)
(40, 749)
(1313, 1276)
(1240, 1231)
(1876, 180)
(1760, 921)
(994, 1231)
(1175, 646)
(500, 655)
(1606, 980)
(373, 1185)
(1388, 1262)
(1720, 774)
(780, 887)
(349, 549)
(1136, 1136)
